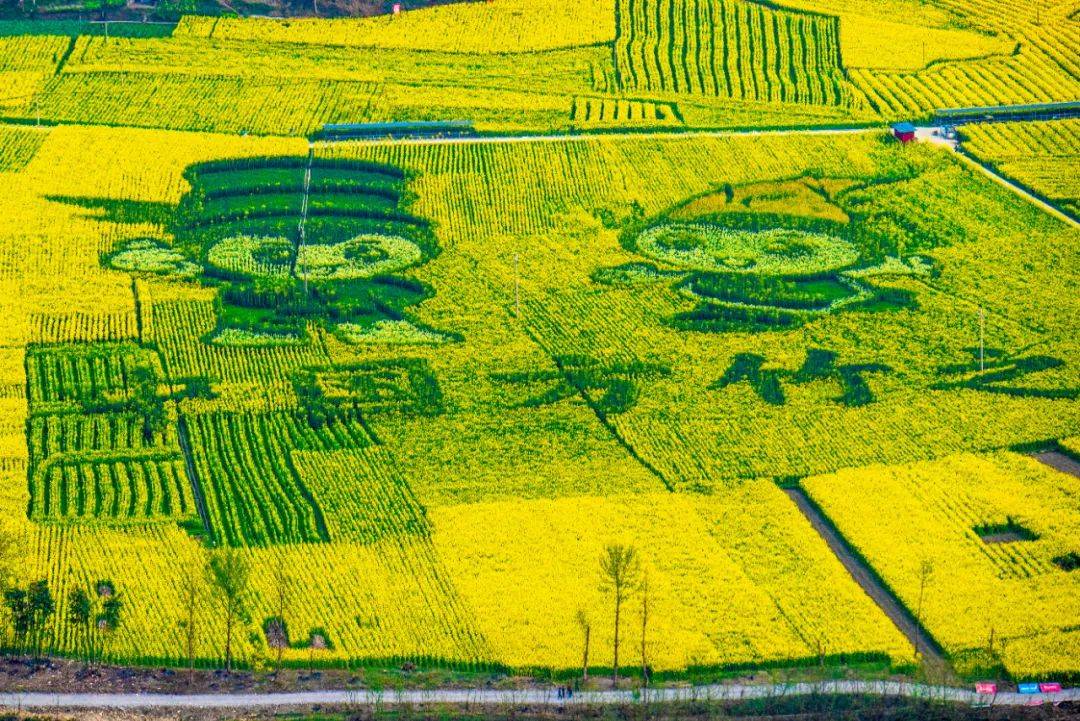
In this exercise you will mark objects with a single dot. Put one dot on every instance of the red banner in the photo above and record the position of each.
(1050, 687)
(986, 687)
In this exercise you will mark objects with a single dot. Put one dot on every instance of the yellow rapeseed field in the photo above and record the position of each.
(505, 26)
(420, 386)
(982, 597)
(732, 580)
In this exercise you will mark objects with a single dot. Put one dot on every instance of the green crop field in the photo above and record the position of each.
(360, 342)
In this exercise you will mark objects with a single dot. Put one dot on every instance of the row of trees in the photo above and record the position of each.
(92, 617)
(227, 576)
(229, 573)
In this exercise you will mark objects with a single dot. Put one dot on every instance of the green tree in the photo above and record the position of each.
(146, 402)
(79, 614)
(41, 606)
(18, 604)
(108, 621)
(230, 575)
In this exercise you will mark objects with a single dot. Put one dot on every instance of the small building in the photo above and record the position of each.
(904, 132)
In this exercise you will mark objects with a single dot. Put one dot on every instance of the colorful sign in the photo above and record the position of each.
(1028, 688)
(986, 687)
(1050, 687)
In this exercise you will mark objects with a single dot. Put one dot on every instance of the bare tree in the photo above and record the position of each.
(926, 568)
(277, 628)
(586, 631)
(317, 642)
(229, 573)
(108, 621)
(619, 573)
(191, 596)
(644, 629)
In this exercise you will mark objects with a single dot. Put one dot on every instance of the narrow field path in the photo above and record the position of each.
(1017, 188)
(1059, 461)
(184, 441)
(531, 697)
(873, 586)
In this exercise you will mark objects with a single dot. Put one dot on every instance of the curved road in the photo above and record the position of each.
(534, 697)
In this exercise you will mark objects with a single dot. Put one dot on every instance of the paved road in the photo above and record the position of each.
(593, 137)
(932, 135)
(873, 587)
(539, 697)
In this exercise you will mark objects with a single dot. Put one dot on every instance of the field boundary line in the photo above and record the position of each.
(600, 416)
(868, 579)
(192, 473)
(536, 697)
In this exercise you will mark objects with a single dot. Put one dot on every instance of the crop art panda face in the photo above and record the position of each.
(769, 256)
(291, 241)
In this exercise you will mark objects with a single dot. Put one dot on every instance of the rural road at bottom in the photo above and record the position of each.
(496, 697)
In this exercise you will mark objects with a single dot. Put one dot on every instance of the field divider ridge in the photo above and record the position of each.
(869, 580)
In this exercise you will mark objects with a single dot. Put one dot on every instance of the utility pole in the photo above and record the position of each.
(982, 339)
(517, 286)
(925, 569)
(304, 212)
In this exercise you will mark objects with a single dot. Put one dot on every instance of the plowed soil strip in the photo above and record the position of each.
(1060, 461)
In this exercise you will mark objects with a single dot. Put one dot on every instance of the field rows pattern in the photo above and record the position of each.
(729, 49)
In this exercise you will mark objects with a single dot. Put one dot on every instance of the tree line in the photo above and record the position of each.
(222, 581)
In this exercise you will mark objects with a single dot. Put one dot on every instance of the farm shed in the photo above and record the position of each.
(904, 132)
